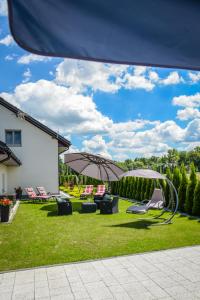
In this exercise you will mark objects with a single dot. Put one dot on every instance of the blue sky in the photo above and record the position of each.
(115, 110)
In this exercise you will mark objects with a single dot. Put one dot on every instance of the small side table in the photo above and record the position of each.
(89, 207)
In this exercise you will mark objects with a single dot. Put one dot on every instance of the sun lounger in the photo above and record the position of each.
(42, 192)
(100, 190)
(87, 192)
(32, 195)
(156, 202)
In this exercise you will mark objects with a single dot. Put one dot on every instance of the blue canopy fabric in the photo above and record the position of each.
(161, 33)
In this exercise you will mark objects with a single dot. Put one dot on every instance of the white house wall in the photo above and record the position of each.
(38, 154)
(3, 179)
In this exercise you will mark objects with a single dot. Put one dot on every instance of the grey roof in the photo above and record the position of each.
(7, 155)
(61, 140)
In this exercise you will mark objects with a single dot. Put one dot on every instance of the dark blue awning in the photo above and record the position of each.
(145, 32)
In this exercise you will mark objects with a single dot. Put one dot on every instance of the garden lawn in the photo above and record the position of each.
(37, 236)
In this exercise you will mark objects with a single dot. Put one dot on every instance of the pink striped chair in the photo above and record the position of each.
(87, 192)
(100, 190)
(33, 196)
(42, 192)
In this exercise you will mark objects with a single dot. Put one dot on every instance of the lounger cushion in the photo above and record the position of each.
(137, 209)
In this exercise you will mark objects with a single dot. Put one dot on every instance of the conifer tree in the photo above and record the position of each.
(190, 190)
(147, 191)
(196, 205)
(176, 178)
(139, 188)
(167, 190)
(182, 188)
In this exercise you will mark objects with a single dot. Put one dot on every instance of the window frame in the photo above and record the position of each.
(13, 138)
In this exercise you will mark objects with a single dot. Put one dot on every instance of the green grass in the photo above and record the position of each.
(37, 236)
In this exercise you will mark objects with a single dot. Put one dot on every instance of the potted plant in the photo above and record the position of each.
(18, 192)
(5, 209)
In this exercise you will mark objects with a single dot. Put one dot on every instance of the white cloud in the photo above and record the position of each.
(139, 70)
(187, 101)
(96, 145)
(195, 77)
(27, 75)
(191, 104)
(172, 78)
(83, 74)
(7, 41)
(30, 58)
(192, 131)
(9, 57)
(132, 81)
(188, 113)
(60, 107)
(3, 8)
(153, 76)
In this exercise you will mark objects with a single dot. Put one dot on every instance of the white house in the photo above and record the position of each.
(29, 151)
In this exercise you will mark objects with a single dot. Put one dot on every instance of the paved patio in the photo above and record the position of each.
(170, 274)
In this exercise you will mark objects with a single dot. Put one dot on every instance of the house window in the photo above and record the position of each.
(13, 138)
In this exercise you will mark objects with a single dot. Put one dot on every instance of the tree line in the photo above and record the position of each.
(172, 159)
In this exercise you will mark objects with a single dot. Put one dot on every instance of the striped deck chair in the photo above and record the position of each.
(33, 196)
(42, 192)
(100, 190)
(87, 192)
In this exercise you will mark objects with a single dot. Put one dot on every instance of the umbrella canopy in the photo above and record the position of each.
(157, 33)
(94, 166)
(144, 173)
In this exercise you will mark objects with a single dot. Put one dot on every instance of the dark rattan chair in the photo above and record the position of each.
(109, 207)
(64, 206)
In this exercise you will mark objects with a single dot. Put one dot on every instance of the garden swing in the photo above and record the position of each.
(157, 200)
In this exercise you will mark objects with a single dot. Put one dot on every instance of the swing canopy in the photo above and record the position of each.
(172, 206)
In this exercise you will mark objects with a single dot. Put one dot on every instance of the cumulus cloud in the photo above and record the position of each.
(172, 78)
(191, 104)
(30, 58)
(153, 76)
(27, 75)
(195, 77)
(132, 81)
(83, 74)
(3, 8)
(188, 113)
(187, 101)
(7, 40)
(96, 145)
(60, 107)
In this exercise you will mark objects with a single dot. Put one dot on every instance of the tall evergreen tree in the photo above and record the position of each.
(190, 190)
(167, 190)
(148, 188)
(176, 178)
(182, 188)
(139, 189)
(196, 204)
(143, 188)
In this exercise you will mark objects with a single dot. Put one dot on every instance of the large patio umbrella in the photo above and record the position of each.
(94, 166)
(157, 33)
(151, 174)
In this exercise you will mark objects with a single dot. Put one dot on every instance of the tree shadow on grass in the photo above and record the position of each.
(51, 208)
(76, 206)
(138, 224)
